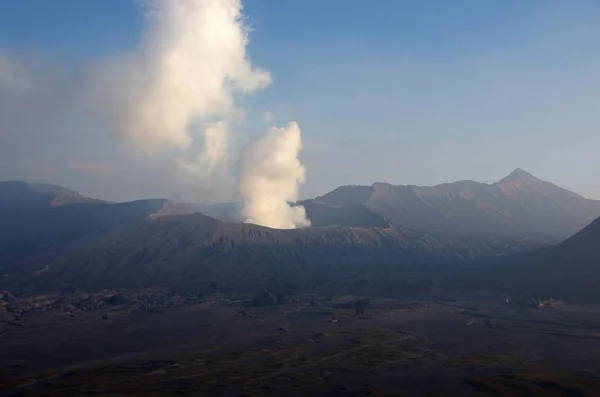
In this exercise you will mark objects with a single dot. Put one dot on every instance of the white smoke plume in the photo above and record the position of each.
(181, 80)
(270, 178)
(172, 96)
(215, 151)
(268, 117)
(184, 73)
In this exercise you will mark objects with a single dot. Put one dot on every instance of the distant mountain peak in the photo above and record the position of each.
(519, 175)
(52, 195)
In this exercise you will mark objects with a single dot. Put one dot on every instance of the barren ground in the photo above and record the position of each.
(393, 348)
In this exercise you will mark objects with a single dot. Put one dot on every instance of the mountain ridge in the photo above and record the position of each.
(55, 195)
(158, 243)
(192, 250)
(519, 205)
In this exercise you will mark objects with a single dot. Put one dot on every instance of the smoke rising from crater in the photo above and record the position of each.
(215, 151)
(168, 93)
(270, 177)
(176, 92)
(171, 98)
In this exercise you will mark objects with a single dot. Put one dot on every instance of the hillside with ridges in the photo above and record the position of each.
(195, 250)
(518, 206)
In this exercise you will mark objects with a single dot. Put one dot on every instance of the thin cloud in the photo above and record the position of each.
(268, 117)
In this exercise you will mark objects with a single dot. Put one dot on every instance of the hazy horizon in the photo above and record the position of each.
(177, 197)
(412, 93)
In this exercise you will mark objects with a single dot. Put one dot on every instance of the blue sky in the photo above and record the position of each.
(408, 92)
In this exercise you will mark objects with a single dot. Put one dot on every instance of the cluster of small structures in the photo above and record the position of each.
(529, 301)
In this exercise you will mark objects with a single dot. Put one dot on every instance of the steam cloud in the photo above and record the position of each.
(182, 77)
(178, 88)
(215, 151)
(270, 177)
(173, 96)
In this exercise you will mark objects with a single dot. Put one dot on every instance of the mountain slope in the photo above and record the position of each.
(148, 243)
(35, 218)
(323, 214)
(518, 206)
(568, 271)
(86, 244)
(15, 194)
(194, 251)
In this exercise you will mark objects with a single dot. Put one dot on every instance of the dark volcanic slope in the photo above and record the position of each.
(586, 244)
(569, 271)
(195, 251)
(35, 218)
(323, 214)
(518, 206)
(90, 245)
(87, 244)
